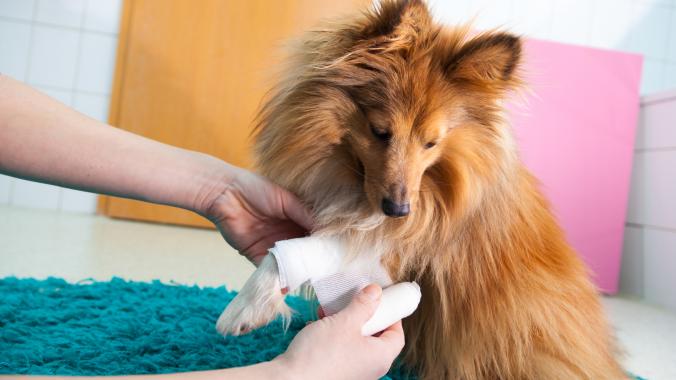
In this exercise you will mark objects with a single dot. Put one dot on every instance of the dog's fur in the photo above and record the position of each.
(391, 105)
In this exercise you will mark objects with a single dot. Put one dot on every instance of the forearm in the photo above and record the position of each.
(43, 140)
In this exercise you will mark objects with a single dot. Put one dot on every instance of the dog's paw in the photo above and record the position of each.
(244, 314)
(258, 303)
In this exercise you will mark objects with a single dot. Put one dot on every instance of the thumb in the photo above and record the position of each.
(363, 305)
(296, 211)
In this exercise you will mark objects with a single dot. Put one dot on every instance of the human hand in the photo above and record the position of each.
(252, 214)
(333, 347)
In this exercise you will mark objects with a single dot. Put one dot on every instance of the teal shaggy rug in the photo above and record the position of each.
(119, 327)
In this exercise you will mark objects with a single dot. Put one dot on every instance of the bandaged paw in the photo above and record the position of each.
(337, 278)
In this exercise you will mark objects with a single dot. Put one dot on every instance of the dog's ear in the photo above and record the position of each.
(397, 20)
(491, 57)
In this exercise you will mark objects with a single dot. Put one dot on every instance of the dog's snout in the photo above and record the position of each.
(398, 193)
(395, 210)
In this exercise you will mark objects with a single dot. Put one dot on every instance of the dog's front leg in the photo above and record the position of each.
(259, 302)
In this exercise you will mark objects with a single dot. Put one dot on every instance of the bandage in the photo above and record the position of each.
(299, 260)
(336, 278)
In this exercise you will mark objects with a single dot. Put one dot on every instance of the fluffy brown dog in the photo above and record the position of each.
(391, 127)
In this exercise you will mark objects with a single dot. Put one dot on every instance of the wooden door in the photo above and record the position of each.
(192, 74)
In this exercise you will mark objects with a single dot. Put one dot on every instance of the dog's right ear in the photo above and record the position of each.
(490, 58)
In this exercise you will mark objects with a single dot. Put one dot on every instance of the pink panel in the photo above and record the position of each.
(576, 134)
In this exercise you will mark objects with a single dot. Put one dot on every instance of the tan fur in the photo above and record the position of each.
(504, 295)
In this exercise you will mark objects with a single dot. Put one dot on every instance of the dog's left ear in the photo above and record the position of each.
(490, 58)
(400, 21)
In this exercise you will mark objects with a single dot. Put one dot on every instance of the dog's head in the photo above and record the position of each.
(413, 83)
(401, 96)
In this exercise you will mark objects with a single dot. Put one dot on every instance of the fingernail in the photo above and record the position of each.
(372, 292)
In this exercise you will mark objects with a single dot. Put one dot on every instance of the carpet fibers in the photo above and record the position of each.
(51, 327)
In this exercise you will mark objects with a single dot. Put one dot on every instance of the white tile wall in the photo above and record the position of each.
(671, 50)
(492, 14)
(66, 49)
(660, 262)
(53, 56)
(572, 22)
(638, 189)
(654, 202)
(647, 27)
(97, 55)
(649, 256)
(5, 188)
(78, 201)
(17, 9)
(92, 105)
(103, 16)
(652, 41)
(611, 32)
(16, 63)
(670, 74)
(652, 77)
(632, 273)
(65, 97)
(533, 17)
(658, 127)
(34, 194)
(60, 12)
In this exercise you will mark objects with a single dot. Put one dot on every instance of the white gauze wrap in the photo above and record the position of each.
(337, 279)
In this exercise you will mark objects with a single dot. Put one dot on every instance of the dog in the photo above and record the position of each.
(391, 127)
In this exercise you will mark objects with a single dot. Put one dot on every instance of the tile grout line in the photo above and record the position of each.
(650, 226)
(654, 150)
(56, 26)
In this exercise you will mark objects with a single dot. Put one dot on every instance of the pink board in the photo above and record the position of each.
(576, 134)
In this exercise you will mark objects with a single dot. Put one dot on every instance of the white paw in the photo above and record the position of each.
(258, 303)
(244, 314)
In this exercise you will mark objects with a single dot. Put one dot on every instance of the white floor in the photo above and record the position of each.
(36, 243)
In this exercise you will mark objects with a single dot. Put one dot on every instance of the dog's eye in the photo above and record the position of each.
(381, 134)
(430, 144)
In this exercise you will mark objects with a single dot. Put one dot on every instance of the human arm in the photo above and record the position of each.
(43, 140)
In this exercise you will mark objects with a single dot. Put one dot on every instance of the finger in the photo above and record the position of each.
(296, 211)
(393, 337)
(363, 305)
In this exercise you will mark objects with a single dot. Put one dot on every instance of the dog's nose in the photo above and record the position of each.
(395, 210)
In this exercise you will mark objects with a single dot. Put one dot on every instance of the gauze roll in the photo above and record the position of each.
(397, 302)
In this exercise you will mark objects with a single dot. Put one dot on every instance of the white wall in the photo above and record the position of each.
(65, 48)
(647, 27)
(649, 257)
